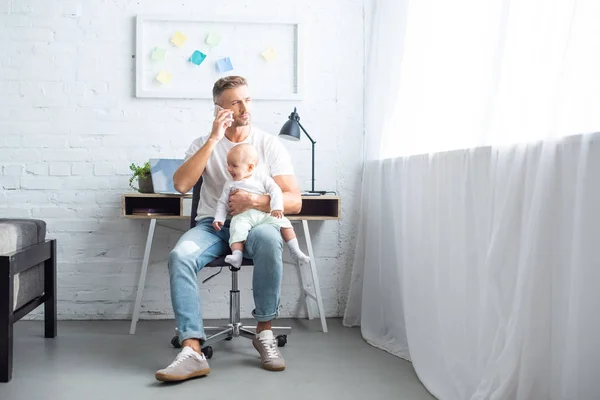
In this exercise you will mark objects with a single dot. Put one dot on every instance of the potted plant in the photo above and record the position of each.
(142, 174)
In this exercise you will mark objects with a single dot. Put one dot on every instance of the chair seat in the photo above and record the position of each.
(220, 262)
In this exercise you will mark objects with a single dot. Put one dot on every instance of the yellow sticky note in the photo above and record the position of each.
(164, 77)
(178, 39)
(269, 54)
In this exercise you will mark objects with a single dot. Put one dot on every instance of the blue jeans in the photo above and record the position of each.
(202, 244)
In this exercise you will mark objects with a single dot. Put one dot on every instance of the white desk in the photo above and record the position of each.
(170, 207)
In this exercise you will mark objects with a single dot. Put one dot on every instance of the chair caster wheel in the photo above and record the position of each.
(207, 351)
(281, 340)
(175, 342)
(229, 338)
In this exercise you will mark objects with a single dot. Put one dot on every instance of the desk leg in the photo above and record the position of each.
(306, 290)
(313, 268)
(142, 281)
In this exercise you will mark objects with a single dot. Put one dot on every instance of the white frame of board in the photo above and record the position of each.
(140, 92)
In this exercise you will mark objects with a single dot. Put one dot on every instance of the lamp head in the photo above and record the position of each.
(291, 128)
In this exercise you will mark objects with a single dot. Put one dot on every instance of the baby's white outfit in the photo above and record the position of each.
(242, 223)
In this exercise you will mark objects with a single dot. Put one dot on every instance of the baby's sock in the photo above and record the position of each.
(235, 258)
(295, 252)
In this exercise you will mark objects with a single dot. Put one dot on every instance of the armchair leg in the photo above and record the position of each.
(6, 356)
(6, 353)
(6, 320)
(50, 293)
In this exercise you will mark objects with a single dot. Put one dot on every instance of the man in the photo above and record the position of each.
(207, 157)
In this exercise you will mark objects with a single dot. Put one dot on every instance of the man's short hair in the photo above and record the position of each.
(228, 82)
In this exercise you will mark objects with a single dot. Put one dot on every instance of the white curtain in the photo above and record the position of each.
(478, 251)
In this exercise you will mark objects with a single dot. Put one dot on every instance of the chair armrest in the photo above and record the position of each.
(28, 257)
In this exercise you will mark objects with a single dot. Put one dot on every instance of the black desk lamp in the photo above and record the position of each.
(291, 131)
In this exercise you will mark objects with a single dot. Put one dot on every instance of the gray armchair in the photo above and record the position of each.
(27, 280)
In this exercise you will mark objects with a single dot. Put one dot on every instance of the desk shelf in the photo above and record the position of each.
(171, 206)
(318, 208)
(151, 205)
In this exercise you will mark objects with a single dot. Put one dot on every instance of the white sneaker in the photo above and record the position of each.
(270, 356)
(188, 364)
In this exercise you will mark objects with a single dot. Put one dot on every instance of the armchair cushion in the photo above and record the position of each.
(17, 234)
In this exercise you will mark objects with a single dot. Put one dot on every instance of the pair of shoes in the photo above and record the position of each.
(190, 364)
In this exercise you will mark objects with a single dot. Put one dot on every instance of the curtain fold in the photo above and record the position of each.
(480, 264)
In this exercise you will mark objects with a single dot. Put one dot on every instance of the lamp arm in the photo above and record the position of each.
(313, 156)
(306, 133)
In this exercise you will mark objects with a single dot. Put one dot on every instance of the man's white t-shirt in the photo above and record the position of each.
(273, 160)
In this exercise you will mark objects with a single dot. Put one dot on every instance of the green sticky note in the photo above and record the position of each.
(159, 54)
(213, 38)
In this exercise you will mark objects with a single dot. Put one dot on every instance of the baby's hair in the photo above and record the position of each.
(246, 152)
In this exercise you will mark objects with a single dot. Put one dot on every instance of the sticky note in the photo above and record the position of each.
(197, 57)
(178, 39)
(159, 53)
(269, 54)
(224, 65)
(164, 77)
(213, 38)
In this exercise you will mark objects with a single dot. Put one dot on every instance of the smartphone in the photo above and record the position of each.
(219, 108)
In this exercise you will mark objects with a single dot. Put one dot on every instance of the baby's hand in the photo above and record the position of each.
(218, 225)
(277, 213)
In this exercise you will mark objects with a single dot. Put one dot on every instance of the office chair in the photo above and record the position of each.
(235, 327)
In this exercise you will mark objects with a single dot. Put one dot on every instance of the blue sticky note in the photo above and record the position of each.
(224, 65)
(197, 57)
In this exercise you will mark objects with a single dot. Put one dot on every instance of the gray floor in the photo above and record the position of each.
(100, 360)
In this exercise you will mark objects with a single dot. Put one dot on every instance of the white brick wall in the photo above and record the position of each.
(70, 126)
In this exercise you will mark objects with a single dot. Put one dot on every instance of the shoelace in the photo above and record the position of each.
(180, 357)
(271, 346)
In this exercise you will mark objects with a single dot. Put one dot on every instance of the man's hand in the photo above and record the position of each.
(277, 213)
(221, 123)
(240, 201)
(218, 225)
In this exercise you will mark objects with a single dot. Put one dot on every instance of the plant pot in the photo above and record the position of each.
(145, 185)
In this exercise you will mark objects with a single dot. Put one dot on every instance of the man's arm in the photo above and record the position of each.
(241, 200)
(190, 171)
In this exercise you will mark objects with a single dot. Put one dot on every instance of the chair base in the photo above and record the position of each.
(238, 330)
(234, 330)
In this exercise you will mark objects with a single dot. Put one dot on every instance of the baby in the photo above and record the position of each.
(241, 165)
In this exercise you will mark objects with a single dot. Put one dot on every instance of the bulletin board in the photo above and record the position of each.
(183, 57)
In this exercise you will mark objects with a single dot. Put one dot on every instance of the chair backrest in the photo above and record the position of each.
(195, 201)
